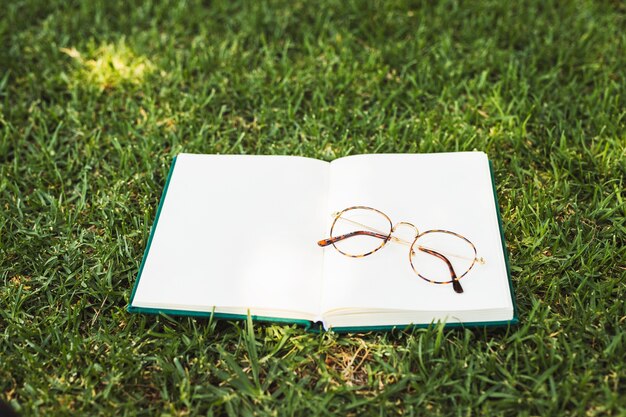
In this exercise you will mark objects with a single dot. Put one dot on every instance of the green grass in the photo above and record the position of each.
(96, 99)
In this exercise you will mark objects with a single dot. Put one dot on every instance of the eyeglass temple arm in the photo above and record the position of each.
(331, 240)
(456, 285)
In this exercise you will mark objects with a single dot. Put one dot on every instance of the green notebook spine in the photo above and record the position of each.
(478, 324)
(515, 319)
(130, 307)
(222, 316)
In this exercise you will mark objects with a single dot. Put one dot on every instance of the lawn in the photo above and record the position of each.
(96, 98)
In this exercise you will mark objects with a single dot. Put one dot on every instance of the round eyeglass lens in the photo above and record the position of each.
(434, 252)
(362, 231)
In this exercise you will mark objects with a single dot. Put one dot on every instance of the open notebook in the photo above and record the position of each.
(237, 235)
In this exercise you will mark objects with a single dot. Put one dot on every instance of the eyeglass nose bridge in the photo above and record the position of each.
(411, 225)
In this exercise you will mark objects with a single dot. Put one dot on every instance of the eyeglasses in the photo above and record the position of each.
(436, 256)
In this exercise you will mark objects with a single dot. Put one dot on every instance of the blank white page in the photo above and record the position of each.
(238, 232)
(450, 191)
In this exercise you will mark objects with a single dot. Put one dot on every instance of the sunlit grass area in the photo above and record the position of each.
(97, 97)
(112, 65)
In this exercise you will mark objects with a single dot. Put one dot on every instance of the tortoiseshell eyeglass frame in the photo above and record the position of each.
(387, 237)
